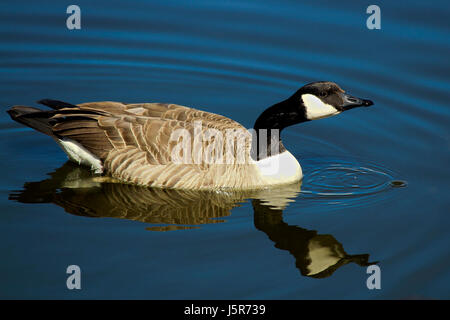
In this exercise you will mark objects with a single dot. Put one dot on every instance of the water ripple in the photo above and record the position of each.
(341, 182)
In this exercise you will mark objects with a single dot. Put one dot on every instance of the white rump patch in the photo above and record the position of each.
(316, 108)
(77, 153)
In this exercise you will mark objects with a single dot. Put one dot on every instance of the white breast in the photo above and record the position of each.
(281, 168)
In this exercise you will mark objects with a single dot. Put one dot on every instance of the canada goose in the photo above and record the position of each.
(172, 146)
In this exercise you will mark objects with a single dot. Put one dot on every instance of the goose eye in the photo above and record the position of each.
(323, 94)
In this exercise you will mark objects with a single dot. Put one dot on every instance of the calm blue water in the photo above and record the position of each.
(376, 179)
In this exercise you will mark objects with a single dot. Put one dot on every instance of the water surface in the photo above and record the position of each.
(375, 188)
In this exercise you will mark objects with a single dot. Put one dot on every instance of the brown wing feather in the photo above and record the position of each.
(134, 143)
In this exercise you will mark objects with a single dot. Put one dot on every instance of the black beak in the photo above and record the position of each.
(351, 102)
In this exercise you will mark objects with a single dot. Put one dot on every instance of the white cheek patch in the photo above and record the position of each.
(316, 108)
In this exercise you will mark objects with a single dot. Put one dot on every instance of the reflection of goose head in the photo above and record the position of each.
(326, 255)
(316, 255)
(79, 192)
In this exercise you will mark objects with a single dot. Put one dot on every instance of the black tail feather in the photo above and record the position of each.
(55, 104)
(32, 117)
(42, 120)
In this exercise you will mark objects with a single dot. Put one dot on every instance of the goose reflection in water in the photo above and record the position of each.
(79, 192)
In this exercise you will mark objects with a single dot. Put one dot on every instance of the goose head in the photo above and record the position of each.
(324, 99)
(313, 101)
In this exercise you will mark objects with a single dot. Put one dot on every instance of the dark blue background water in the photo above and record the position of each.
(236, 58)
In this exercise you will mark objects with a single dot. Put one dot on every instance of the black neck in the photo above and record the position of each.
(277, 117)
